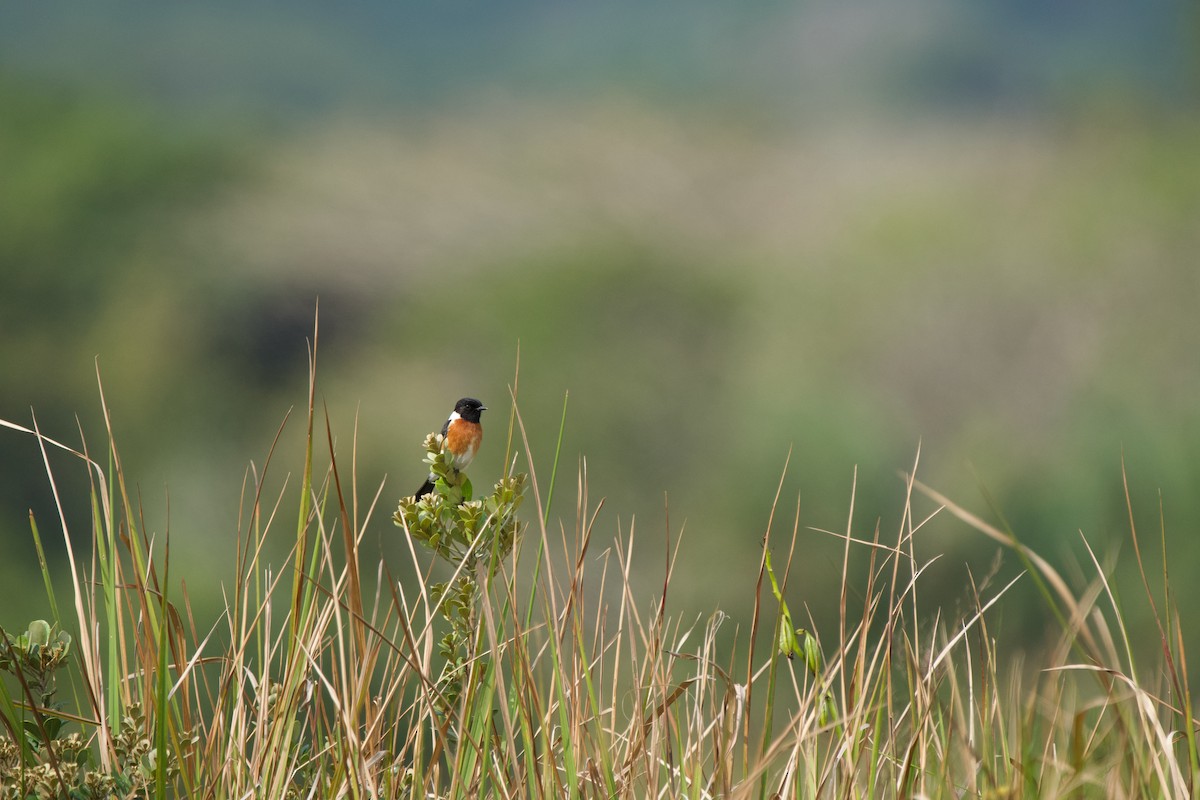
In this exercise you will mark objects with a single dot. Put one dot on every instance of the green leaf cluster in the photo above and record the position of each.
(36, 654)
(473, 536)
(38, 759)
(793, 641)
(455, 526)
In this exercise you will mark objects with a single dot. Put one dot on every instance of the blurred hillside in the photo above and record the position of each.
(221, 60)
(844, 227)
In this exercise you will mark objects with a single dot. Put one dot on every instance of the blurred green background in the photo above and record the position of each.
(726, 229)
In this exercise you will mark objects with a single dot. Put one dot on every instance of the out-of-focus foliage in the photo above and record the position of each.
(87, 183)
(94, 197)
(843, 227)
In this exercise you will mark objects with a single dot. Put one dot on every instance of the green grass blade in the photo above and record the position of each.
(162, 716)
(45, 570)
(562, 426)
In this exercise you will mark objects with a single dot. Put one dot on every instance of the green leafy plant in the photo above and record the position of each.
(39, 759)
(474, 537)
(34, 657)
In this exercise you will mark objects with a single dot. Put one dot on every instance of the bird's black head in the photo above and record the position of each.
(469, 409)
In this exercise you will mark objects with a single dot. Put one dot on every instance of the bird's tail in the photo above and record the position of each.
(425, 489)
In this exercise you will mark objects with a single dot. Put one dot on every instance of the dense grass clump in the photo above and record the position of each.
(526, 665)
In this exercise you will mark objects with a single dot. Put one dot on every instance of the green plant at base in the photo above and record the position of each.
(36, 654)
(789, 644)
(469, 535)
(37, 761)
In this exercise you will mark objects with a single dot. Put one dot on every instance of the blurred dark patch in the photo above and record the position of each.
(259, 335)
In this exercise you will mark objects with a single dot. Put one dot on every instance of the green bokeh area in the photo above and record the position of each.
(716, 285)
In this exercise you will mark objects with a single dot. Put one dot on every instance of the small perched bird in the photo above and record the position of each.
(463, 433)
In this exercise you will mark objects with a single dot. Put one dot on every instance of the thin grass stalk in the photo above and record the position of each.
(302, 579)
(353, 588)
(777, 625)
(162, 714)
(141, 569)
(544, 512)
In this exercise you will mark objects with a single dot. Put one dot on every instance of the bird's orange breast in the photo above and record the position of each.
(462, 441)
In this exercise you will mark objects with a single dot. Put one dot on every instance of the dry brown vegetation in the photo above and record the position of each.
(311, 683)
